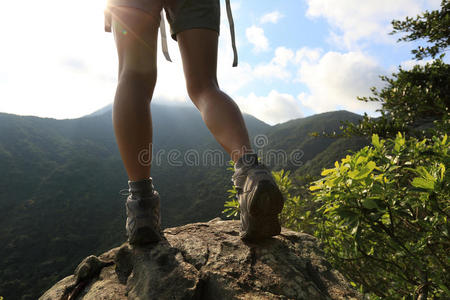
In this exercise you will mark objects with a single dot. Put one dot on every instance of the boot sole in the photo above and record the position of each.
(267, 202)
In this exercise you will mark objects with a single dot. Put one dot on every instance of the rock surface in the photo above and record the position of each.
(208, 261)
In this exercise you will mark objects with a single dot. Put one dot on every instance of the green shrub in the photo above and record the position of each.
(232, 205)
(384, 217)
(298, 212)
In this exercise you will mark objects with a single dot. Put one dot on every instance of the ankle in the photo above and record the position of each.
(246, 160)
(141, 187)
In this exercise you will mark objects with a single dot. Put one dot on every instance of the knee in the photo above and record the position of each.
(200, 89)
(144, 74)
(142, 81)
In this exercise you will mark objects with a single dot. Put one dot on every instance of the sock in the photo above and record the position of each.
(142, 187)
(247, 159)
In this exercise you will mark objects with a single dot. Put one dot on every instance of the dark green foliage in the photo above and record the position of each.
(60, 183)
(384, 217)
(299, 211)
(432, 26)
(58, 199)
(295, 137)
(335, 151)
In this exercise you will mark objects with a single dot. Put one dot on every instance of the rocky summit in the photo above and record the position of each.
(208, 261)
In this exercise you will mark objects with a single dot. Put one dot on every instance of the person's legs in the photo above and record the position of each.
(220, 113)
(135, 33)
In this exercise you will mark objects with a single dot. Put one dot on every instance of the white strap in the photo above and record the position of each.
(162, 27)
(233, 39)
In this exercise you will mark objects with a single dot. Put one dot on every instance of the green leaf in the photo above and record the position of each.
(424, 173)
(442, 167)
(325, 172)
(369, 203)
(346, 213)
(442, 286)
(423, 183)
(361, 159)
(376, 141)
(315, 187)
(364, 172)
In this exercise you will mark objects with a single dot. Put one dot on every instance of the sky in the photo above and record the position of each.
(296, 57)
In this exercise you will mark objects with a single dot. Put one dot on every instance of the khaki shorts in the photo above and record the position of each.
(181, 14)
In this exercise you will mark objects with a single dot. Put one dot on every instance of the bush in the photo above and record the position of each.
(383, 219)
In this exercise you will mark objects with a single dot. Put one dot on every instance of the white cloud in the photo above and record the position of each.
(271, 71)
(282, 56)
(274, 108)
(255, 35)
(277, 67)
(307, 54)
(409, 64)
(355, 20)
(335, 81)
(272, 17)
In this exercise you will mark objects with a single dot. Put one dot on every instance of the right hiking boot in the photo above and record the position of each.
(260, 199)
(143, 223)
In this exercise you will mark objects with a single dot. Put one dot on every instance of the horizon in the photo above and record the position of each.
(72, 70)
(176, 105)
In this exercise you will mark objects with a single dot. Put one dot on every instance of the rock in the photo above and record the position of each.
(208, 261)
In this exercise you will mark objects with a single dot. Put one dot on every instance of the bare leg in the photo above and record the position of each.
(220, 113)
(135, 33)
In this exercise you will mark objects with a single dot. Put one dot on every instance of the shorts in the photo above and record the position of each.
(181, 14)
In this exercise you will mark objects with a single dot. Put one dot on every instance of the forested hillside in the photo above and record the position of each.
(60, 183)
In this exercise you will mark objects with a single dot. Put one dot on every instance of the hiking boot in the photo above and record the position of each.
(260, 199)
(143, 213)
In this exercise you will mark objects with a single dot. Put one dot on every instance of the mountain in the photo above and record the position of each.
(101, 111)
(292, 139)
(60, 183)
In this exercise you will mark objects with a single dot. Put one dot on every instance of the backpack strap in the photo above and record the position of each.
(233, 39)
(162, 28)
(165, 48)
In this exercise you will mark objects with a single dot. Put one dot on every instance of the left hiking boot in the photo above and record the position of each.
(260, 199)
(143, 213)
